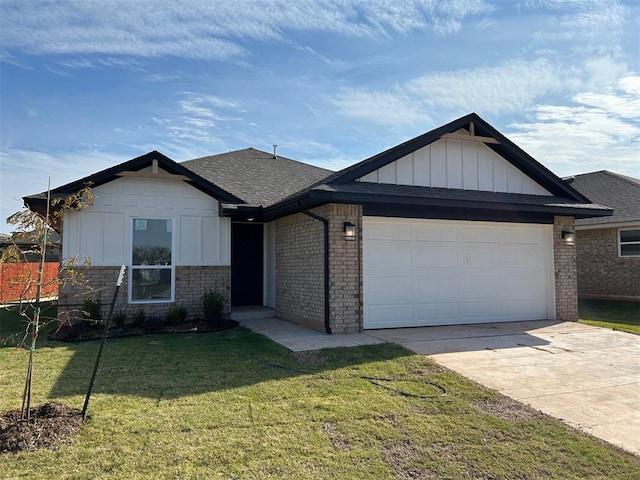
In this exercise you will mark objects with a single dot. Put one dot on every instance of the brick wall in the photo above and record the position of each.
(300, 269)
(191, 283)
(564, 259)
(345, 262)
(601, 272)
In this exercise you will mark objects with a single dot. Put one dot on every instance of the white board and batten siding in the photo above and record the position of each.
(421, 272)
(103, 231)
(460, 164)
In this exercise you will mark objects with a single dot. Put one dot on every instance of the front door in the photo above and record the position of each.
(246, 264)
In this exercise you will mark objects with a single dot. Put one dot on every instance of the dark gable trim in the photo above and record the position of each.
(35, 202)
(444, 213)
(421, 207)
(506, 148)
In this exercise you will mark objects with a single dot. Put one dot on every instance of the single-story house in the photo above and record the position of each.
(458, 225)
(608, 248)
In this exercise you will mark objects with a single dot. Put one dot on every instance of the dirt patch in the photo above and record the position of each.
(508, 409)
(399, 456)
(338, 440)
(310, 357)
(50, 424)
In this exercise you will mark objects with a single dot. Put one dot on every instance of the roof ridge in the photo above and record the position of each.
(634, 181)
(627, 178)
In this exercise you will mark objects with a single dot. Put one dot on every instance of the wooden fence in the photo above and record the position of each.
(18, 280)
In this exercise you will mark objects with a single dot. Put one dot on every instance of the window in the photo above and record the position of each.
(629, 242)
(152, 274)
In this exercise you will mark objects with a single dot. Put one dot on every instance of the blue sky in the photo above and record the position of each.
(85, 85)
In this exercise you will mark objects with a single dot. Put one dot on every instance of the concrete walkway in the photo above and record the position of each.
(587, 376)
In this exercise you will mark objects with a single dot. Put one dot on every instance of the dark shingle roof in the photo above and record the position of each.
(256, 176)
(616, 191)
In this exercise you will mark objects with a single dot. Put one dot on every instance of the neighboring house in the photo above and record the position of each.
(458, 225)
(28, 245)
(608, 248)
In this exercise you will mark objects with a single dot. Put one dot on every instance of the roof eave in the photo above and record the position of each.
(553, 209)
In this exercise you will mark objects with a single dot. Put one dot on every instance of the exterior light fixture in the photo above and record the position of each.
(569, 238)
(349, 231)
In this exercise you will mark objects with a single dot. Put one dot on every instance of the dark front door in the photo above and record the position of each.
(246, 264)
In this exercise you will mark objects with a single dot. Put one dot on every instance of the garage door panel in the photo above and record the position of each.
(526, 236)
(435, 256)
(480, 256)
(452, 272)
(474, 234)
(441, 312)
(380, 231)
(379, 316)
(439, 234)
(485, 311)
(480, 287)
(432, 286)
(389, 291)
(520, 256)
(524, 310)
(522, 286)
(389, 255)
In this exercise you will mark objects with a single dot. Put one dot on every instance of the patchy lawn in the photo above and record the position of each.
(623, 316)
(214, 406)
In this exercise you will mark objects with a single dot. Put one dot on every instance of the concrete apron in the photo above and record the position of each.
(586, 376)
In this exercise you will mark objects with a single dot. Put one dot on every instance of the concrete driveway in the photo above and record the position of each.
(587, 376)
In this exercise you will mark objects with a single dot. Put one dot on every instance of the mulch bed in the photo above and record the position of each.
(85, 331)
(50, 424)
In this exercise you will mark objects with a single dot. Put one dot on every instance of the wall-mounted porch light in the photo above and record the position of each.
(569, 238)
(349, 231)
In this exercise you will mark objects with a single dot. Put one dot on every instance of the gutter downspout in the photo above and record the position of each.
(325, 223)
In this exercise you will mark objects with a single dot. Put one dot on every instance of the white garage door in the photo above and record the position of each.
(444, 272)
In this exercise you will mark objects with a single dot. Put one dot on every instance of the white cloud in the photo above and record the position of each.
(595, 129)
(209, 29)
(507, 88)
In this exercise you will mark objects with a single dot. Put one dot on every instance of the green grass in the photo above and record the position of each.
(12, 324)
(210, 406)
(624, 316)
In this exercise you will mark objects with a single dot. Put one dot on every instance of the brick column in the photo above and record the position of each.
(566, 279)
(345, 262)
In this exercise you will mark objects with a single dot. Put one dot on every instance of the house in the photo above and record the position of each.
(608, 248)
(457, 225)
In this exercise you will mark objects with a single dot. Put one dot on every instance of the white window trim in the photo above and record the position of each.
(158, 267)
(620, 243)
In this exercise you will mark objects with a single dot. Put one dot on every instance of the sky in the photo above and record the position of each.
(86, 84)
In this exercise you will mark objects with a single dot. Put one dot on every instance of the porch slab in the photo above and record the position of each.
(299, 339)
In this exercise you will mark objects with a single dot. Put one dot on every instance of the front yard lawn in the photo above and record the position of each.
(12, 325)
(623, 316)
(214, 406)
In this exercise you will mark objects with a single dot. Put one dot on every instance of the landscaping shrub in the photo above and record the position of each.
(176, 315)
(213, 307)
(139, 318)
(119, 319)
(92, 309)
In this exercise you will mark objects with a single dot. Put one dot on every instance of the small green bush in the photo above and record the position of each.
(213, 307)
(119, 319)
(176, 315)
(92, 309)
(139, 318)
